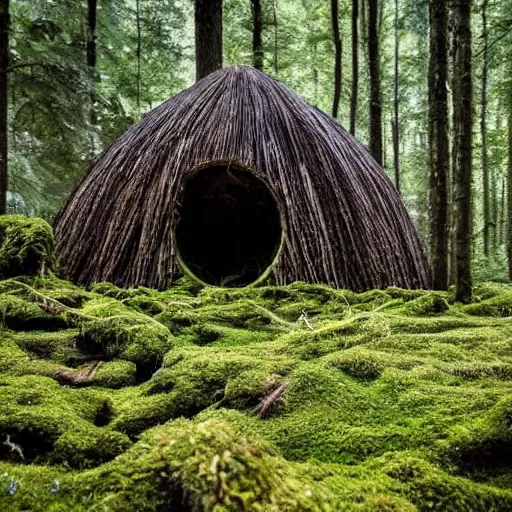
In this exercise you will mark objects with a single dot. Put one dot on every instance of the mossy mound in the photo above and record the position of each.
(26, 246)
(298, 397)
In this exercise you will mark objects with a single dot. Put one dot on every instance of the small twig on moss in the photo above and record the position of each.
(304, 318)
(13, 446)
(269, 400)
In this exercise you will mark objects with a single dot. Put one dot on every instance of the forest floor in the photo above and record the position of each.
(298, 397)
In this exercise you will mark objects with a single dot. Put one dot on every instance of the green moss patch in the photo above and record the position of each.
(298, 397)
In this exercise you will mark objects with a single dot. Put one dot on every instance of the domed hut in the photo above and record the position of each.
(236, 180)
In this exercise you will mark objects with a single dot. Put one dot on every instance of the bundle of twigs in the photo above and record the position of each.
(344, 222)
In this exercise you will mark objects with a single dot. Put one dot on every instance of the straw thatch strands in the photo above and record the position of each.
(233, 179)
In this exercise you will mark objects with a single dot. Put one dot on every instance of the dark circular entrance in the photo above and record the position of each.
(229, 230)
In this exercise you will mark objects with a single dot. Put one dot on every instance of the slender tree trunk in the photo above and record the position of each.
(208, 21)
(139, 53)
(494, 209)
(438, 142)
(509, 190)
(452, 275)
(91, 58)
(503, 213)
(315, 71)
(257, 26)
(91, 34)
(375, 100)
(483, 130)
(276, 38)
(337, 57)
(462, 128)
(395, 123)
(4, 64)
(355, 66)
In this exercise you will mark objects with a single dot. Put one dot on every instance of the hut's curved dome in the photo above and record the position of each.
(237, 175)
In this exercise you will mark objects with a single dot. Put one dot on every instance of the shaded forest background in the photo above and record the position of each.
(77, 81)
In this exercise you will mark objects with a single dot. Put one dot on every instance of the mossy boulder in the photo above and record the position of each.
(111, 330)
(498, 305)
(429, 488)
(485, 447)
(43, 422)
(26, 246)
(19, 314)
(198, 467)
(428, 304)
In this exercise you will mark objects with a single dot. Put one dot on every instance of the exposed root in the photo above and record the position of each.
(77, 377)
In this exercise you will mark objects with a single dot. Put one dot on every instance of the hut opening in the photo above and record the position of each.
(229, 230)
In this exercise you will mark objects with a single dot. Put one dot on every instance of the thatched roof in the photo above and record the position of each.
(239, 156)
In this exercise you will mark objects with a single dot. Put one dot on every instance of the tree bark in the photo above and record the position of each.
(337, 57)
(462, 128)
(452, 274)
(355, 66)
(438, 142)
(208, 22)
(276, 38)
(375, 100)
(395, 123)
(139, 54)
(92, 6)
(509, 189)
(91, 60)
(4, 64)
(257, 26)
(503, 213)
(483, 131)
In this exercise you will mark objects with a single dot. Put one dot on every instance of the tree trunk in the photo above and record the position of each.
(91, 59)
(438, 143)
(208, 21)
(139, 52)
(509, 189)
(452, 274)
(257, 25)
(395, 125)
(483, 130)
(337, 57)
(375, 101)
(4, 64)
(355, 66)
(503, 213)
(276, 38)
(462, 129)
(91, 34)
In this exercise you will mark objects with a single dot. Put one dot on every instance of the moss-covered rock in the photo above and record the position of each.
(428, 304)
(41, 422)
(26, 246)
(198, 467)
(498, 305)
(115, 374)
(20, 314)
(114, 331)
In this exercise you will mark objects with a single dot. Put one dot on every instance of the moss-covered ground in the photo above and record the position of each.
(268, 399)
